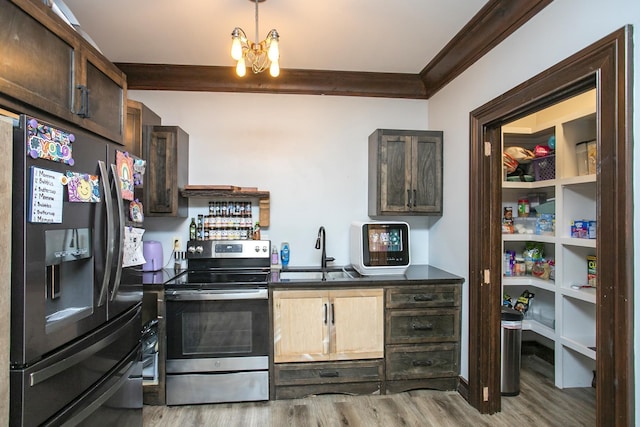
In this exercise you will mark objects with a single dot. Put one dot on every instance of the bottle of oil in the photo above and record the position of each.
(192, 229)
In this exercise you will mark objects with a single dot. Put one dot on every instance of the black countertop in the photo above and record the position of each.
(415, 274)
(135, 276)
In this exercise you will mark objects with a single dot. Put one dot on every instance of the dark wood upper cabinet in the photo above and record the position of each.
(405, 172)
(168, 153)
(46, 64)
(139, 126)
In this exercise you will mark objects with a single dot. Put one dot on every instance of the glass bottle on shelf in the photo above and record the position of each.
(192, 229)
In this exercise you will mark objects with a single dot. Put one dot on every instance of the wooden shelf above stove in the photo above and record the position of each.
(232, 192)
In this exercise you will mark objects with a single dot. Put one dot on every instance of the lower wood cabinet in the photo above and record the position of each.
(296, 380)
(317, 325)
(422, 339)
(153, 308)
(328, 341)
(366, 341)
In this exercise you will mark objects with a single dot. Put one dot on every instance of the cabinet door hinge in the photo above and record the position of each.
(487, 148)
(487, 276)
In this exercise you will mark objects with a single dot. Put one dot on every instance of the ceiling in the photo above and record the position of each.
(381, 36)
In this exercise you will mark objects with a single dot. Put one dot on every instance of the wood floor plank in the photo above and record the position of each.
(539, 404)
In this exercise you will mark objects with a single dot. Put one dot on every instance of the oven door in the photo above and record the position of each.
(204, 324)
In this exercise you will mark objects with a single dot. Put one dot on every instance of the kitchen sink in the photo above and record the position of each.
(316, 274)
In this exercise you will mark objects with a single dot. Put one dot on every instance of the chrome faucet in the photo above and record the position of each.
(321, 243)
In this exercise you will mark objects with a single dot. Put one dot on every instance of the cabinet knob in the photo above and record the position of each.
(422, 298)
(408, 198)
(418, 363)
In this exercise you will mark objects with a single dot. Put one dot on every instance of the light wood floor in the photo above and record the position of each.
(539, 404)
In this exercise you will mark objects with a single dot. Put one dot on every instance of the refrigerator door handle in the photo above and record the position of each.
(104, 176)
(120, 242)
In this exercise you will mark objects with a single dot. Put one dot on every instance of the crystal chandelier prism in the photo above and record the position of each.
(257, 55)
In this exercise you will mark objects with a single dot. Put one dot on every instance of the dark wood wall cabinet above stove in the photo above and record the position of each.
(167, 156)
(314, 354)
(46, 64)
(405, 173)
(166, 150)
(139, 126)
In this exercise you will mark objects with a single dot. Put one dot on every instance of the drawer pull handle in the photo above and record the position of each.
(417, 327)
(423, 297)
(333, 374)
(422, 363)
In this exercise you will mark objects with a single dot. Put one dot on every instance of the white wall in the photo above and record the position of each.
(560, 30)
(310, 152)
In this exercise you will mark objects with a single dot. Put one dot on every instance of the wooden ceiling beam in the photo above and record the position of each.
(291, 81)
(492, 24)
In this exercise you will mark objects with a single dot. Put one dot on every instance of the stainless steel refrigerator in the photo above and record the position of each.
(75, 331)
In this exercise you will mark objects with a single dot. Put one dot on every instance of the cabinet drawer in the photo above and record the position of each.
(428, 296)
(425, 361)
(422, 326)
(331, 372)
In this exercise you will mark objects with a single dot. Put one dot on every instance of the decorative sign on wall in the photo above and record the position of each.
(124, 166)
(46, 196)
(47, 142)
(82, 187)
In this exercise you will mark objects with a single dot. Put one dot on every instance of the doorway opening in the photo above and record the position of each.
(605, 67)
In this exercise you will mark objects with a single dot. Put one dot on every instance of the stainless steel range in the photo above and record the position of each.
(218, 324)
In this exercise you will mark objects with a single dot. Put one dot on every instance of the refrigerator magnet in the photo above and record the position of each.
(124, 165)
(82, 187)
(47, 142)
(135, 211)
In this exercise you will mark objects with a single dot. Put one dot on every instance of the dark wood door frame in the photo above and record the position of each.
(605, 65)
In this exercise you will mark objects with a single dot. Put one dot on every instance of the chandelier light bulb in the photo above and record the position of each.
(241, 69)
(274, 69)
(274, 50)
(236, 48)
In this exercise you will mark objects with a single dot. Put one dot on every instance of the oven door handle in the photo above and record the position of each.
(217, 295)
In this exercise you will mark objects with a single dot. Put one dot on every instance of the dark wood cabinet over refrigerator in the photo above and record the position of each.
(168, 153)
(405, 172)
(46, 64)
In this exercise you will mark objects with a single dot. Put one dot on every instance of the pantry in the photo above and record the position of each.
(550, 239)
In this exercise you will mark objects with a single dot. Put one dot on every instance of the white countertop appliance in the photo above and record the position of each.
(379, 247)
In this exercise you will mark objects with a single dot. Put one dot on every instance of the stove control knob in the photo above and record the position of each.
(199, 249)
(257, 248)
(191, 249)
(264, 249)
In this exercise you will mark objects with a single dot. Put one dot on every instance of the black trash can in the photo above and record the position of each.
(511, 326)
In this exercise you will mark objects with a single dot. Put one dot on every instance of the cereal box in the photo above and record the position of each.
(591, 271)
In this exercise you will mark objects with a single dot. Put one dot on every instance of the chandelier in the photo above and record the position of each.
(258, 56)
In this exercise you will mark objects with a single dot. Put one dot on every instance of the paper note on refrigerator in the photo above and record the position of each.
(132, 250)
(46, 196)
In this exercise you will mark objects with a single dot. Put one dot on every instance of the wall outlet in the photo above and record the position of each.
(177, 244)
